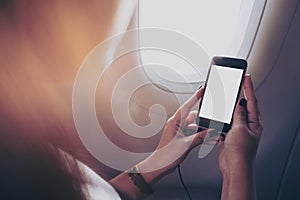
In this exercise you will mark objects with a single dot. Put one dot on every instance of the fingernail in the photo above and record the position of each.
(198, 96)
(243, 102)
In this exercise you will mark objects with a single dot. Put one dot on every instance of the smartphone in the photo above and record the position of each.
(221, 91)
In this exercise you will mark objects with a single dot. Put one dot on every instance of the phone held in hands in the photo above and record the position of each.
(221, 91)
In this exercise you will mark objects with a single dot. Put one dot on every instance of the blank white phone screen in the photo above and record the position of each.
(220, 93)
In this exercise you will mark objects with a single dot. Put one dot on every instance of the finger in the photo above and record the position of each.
(191, 118)
(240, 113)
(221, 145)
(199, 138)
(252, 107)
(222, 137)
(192, 127)
(212, 137)
(184, 110)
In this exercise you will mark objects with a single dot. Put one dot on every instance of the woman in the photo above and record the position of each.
(236, 154)
(40, 54)
(33, 169)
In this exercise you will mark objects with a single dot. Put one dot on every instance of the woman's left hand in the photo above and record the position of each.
(174, 144)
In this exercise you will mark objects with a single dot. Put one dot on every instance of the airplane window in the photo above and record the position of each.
(218, 27)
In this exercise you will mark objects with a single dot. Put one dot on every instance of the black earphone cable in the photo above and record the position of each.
(183, 184)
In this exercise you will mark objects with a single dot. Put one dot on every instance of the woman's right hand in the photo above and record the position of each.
(238, 150)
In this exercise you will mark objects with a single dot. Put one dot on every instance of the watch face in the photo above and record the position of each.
(135, 169)
(138, 180)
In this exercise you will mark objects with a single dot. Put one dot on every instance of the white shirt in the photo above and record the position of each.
(97, 188)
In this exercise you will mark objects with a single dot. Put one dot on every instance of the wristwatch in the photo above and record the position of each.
(137, 178)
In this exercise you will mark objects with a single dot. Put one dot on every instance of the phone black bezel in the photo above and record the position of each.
(223, 62)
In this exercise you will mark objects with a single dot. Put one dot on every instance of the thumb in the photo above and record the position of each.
(198, 138)
(240, 113)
